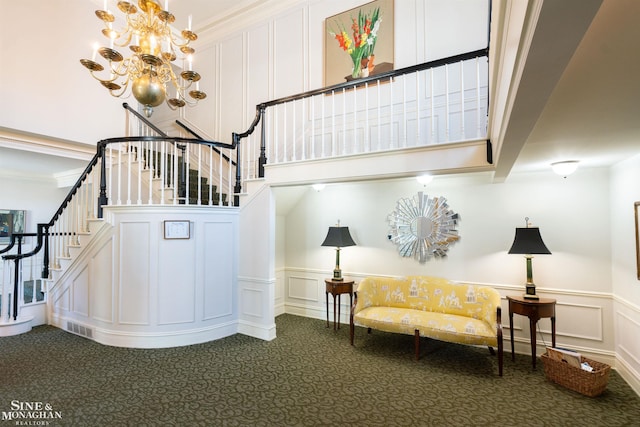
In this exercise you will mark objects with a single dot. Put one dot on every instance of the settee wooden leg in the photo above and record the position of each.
(416, 340)
(351, 330)
(500, 356)
(492, 351)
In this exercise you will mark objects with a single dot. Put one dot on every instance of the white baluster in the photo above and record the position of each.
(187, 162)
(139, 159)
(447, 109)
(334, 140)
(355, 121)
(379, 119)
(313, 127)
(211, 194)
(391, 103)
(305, 153)
(344, 120)
(293, 131)
(433, 107)
(404, 110)
(119, 176)
(479, 129)
(322, 130)
(417, 75)
(174, 177)
(462, 132)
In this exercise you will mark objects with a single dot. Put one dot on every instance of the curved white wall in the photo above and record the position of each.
(131, 287)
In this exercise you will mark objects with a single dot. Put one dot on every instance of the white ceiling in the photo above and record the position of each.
(590, 113)
(29, 164)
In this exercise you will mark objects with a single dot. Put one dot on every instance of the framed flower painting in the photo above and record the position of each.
(359, 42)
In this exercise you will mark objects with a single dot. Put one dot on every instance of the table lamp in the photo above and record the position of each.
(338, 237)
(528, 242)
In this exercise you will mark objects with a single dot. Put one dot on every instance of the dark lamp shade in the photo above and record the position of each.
(338, 237)
(528, 241)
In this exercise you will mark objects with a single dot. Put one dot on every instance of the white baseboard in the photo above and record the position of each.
(130, 339)
(629, 375)
(257, 330)
(15, 327)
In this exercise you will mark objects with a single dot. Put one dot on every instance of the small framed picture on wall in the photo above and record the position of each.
(176, 229)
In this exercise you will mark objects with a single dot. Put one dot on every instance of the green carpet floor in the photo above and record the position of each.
(308, 376)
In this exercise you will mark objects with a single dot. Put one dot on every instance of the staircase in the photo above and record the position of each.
(75, 233)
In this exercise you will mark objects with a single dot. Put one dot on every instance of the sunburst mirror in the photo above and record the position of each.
(423, 227)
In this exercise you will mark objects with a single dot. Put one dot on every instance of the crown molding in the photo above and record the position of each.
(26, 141)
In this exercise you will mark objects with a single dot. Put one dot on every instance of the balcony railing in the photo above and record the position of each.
(438, 102)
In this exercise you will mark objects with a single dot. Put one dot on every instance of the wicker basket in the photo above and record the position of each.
(588, 383)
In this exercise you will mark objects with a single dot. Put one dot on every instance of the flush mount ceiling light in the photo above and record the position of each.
(154, 47)
(424, 179)
(565, 168)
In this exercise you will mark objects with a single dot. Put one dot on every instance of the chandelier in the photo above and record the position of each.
(149, 71)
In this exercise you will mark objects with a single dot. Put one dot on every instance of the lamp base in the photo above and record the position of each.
(337, 275)
(530, 292)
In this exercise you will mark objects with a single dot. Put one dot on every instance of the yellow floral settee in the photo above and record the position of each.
(431, 307)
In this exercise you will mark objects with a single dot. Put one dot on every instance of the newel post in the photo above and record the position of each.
(262, 160)
(182, 175)
(102, 199)
(45, 256)
(235, 138)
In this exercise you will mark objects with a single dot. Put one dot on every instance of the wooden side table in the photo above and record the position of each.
(337, 288)
(534, 309)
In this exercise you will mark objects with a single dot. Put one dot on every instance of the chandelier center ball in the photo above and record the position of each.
(148, 90)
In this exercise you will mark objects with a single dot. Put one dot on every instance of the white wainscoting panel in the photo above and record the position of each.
(176, 291)
(135, 263)
(588, 328)
(80, 292)
(289, 52)
(231, 86)
(252, 302)
(628, 342)
(279, 300)
(199, 118)
(257, 317)
(304, 289)
(218, 268)
(259, 74)
(627, 319)
(101, 278)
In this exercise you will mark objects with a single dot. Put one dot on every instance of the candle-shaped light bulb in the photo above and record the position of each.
(166, 5)
(105, 5)
(95, 51)
(190, 61)
(189, 25)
